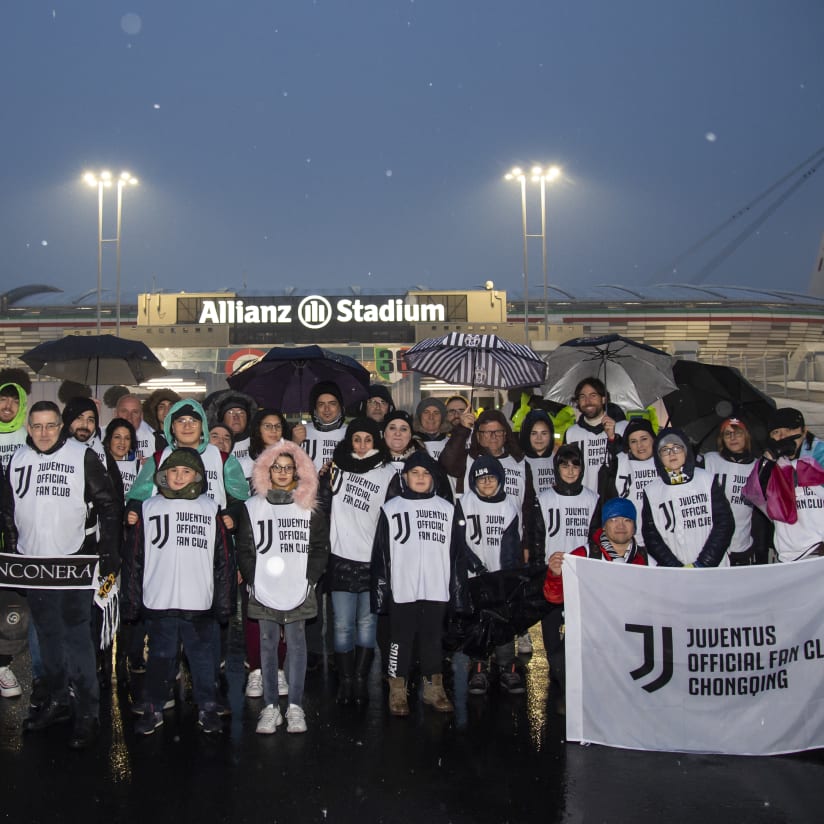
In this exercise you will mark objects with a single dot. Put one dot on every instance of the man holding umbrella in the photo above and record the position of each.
(320, 437)
(595, 429)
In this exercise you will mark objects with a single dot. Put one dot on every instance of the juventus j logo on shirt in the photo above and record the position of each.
(264, 540)
(161, 530)
(23, 481)
(475, 535)
(403, 526)
(553, 522)
(669, 513)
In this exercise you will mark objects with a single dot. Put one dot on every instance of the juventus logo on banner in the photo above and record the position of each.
(475, 535)
(669, 513)
(264, 540)
(403, 526)
(311, 447)
(553, 522)
(649, 655)
(161, 530)
(23, 481)
(335, 480)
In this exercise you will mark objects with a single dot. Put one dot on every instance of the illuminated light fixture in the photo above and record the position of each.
(104, 181)
(542, 176)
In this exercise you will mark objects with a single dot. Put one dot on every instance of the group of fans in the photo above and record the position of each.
(380, 527)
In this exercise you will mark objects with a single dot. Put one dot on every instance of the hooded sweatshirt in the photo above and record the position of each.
(224, 475)
(686, 518)
(13, 434)
(568, 514)
(489, 527)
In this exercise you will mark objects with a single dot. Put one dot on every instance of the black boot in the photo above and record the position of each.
(363, 664)
(84, 733)
(346, 672)
(47, 716)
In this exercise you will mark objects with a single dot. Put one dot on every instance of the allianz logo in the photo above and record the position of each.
(316, 311)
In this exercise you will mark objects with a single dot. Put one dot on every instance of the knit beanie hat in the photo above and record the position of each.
(785, 418)
(483, 466)
(324, 388)
(76, 407)
(427, 402)
(187, 410)
(618, 508)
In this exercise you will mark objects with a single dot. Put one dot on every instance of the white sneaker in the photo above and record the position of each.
(295, 719)
(254, 684)
(524, 644)
(283, 686)
(269, 720)
(9, 686)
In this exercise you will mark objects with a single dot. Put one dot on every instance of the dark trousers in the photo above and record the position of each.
(551, 625)
(165, 637)
(421, 619)
(62, 619)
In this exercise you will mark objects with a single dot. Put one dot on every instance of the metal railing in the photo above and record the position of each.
(774, 375)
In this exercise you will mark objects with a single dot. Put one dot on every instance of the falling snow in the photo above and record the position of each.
(131, 23)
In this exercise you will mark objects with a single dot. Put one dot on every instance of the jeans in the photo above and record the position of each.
(34, 650)
(355, 623)
(165, 635)
(295, 666)
(62, 620)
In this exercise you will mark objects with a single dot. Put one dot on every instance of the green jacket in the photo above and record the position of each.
(234, 480)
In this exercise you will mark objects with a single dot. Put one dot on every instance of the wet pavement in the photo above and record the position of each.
(500, 758)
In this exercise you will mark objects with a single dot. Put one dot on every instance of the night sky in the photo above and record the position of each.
(339, 143)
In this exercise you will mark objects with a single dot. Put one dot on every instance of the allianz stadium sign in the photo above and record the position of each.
(316, 312)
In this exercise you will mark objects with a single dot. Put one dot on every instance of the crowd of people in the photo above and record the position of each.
(381, 524)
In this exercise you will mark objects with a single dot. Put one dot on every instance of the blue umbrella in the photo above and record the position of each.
(284, 377)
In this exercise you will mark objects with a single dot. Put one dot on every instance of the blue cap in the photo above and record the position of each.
(618, 508)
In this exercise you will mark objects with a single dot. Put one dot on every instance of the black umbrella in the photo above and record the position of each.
(707, 394)
(95, 360)
(284, 377)
(504, 604)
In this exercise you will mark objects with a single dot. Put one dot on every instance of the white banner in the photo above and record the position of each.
(707, 660)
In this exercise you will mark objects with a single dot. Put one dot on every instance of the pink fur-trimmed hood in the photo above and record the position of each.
(305, 494)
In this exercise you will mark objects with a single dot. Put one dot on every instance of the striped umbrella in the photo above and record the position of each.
(477, 360)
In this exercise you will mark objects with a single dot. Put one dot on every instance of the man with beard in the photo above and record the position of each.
(14, 388)
(320, 437)
(595, 429)
(81, 422)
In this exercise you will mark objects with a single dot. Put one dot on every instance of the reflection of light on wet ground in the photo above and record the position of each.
(120, 764)
(537, 685)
